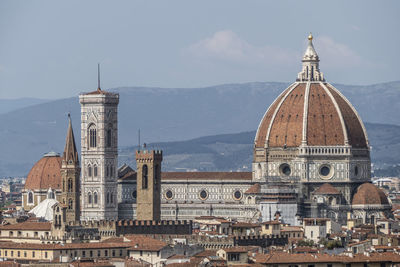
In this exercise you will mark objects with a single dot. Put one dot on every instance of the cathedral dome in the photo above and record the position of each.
(369, 194)
(45, 173)
(311, 112)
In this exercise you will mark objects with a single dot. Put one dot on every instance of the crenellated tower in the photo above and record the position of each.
(148, 184)
(70, 174)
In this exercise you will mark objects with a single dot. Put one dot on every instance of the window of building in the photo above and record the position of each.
(33, 254)
(18, 254)
(12, 253)
(329, 265)
(144, 176)
(91, 253)
(24, 254)
(98, 253)
(30, 198)
(90, 171)
(70, 204)
(92, 136)
(156, 174)
(83, 253)
(95, 170)
(112, 198)
(120, 252)
(312, 234)
(75, 254)
(108, 197)
(90, 198)
(113, 253)
(5, 253)
(108, 141)
(106, 253)
(141, 253)
(311, 265)
(70, 185)
(45, 254)
(107, 171)
(95, 197)
(233, 256)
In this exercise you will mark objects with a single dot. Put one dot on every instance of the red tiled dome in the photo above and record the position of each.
(326, 189)
(45, 173)
(320, 115)
(369, 194)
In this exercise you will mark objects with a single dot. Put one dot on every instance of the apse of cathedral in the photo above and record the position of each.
(311, 159)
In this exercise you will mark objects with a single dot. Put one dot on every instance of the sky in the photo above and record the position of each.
(50, 49)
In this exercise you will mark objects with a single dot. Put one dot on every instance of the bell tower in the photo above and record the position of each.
(70, 174)
(99, 148)
(148, 185)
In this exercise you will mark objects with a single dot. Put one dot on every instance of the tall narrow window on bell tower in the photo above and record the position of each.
(145, 177)
(92, 136)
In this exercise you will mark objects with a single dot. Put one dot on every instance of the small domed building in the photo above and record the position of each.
(43, 180)
(54, 179)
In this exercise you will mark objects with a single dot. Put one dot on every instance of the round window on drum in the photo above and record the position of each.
(203, 195)
(325, 171)
(237, 195)
(169, 195)
(284, 169)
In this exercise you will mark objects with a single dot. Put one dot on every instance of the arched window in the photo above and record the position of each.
(90, 171)
(144, 177)
(156, 174)
(111, 171)
(112, 198)
(108, 197)
(95, 197)
(108, 139)
(95, 170)
(90, 198)
(70, 185)
(92, 136)
(70, 204)
(107, 171)
(30, 197)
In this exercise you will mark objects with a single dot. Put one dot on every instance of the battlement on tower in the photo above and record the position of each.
(146, 155)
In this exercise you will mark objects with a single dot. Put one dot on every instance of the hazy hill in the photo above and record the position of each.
(172, 115)
(7, 105)
(230, 152)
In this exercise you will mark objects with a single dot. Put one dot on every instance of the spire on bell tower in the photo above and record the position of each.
(310, 70)
(70, 153)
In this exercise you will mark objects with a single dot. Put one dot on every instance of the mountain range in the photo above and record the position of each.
(165, 116)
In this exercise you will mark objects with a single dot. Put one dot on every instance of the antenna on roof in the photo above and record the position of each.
(139, 138)
(98, 77)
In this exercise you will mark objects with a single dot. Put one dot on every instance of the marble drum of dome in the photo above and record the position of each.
(311, 133)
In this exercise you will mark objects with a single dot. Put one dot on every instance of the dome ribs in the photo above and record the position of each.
(266, 121)
(323, 122)
(45, 174)
(286, 129)
(354, 127)
(369, 194)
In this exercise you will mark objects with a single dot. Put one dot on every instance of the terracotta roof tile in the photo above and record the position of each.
(286, 258)
(145, 243)
(323, 127)
(39, 226)
(254, 189)
(369, 194)
(327, 189)
(45, 173)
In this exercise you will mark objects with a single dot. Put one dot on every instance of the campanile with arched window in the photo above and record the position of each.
(99, 152)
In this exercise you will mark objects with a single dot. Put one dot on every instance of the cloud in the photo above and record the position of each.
(335, 54)
(227, 46)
